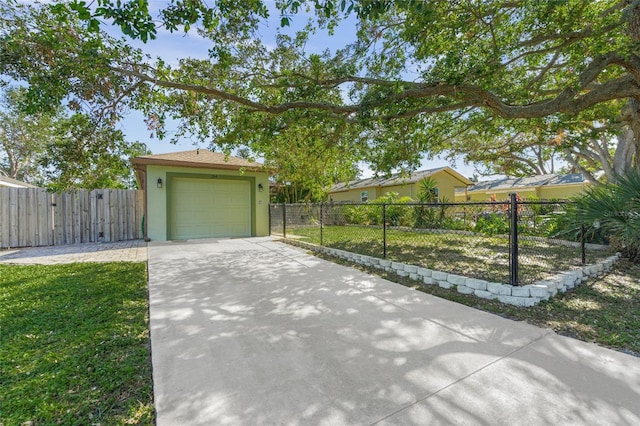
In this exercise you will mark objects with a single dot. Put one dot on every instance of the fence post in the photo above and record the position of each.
(583, 246)
(321, 222)
(284, 220)
(269, 219)
(513, 238)
(384, 231)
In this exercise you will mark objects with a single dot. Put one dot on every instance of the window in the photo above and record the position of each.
(364, 196)
(436, 195)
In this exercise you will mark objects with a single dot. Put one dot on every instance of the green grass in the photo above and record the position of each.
(75, 345)
(603, 310)
(477, 256)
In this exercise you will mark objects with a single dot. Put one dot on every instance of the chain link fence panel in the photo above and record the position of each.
(470, 239)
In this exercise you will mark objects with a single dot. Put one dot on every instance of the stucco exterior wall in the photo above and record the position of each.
(353, 195)
(561, 192)
(405, 190)
(543, 193)
(447, 185)
(156, 220)
(445, 182)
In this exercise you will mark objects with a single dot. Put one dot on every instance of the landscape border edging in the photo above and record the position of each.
(523, 296)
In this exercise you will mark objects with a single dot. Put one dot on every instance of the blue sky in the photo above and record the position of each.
(170, 47)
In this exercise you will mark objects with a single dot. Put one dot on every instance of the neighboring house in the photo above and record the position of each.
(544, 187)
(7, 182)
(202, 194)
(447, 181)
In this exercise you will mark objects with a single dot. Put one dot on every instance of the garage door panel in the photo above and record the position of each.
(203, 208)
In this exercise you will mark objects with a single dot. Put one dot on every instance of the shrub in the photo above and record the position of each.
(396, 215)
(455, 224)
(355, 215)
(492, 224)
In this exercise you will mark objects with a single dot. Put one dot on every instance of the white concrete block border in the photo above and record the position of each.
(526, 296)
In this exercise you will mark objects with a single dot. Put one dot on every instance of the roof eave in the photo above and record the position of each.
(141, 161)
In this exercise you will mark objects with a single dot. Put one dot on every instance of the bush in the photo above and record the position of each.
(355, 215)
(396, 215)
(430, 217)
(492, 224)
(455, 224)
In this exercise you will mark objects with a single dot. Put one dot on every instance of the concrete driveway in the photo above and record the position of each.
(255, 332)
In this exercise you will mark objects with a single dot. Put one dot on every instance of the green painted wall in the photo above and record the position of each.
(157, 197)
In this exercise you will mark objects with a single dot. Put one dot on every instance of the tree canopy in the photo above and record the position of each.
(422, 77)
(61, 151)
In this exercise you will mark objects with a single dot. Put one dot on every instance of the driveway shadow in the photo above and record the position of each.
(257, 332)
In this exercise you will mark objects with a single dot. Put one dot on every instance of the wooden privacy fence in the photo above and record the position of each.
(32, 217)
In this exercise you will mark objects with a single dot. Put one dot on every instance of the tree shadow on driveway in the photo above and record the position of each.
(257, 332)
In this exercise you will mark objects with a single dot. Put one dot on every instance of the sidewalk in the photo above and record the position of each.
(121, 251)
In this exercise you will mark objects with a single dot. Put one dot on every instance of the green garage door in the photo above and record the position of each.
(201, 208)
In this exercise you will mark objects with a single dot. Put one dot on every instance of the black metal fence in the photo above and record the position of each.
(480, 240)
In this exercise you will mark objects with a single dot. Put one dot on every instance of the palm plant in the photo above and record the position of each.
(426, 216)
(612, 211)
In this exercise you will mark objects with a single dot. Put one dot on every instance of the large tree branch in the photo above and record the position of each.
(569, 156)
(573, 36)
(569, 101)
(222, 95)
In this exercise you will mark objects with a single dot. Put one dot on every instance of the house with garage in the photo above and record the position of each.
(551, 186)
(202, 194)
(447, 181)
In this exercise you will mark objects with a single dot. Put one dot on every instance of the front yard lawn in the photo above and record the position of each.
(474, 256)
(75, 345)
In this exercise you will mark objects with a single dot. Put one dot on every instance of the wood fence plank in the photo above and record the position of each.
(95, 217)
(4, 218)
(77, 214)
(115, 208)
(31, 216)
(13, 215)
(58, 219)
(66, 215)
(122, 211)
(139, 213)
(86, 218)
(113, 212)
(22, 218)
(44, 217)
(106, 208)
(131, 214)
(125, 215)
(103, 201)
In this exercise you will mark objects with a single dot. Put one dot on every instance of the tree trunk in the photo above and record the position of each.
(627, 153)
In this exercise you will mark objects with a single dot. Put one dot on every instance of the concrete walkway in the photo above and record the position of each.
(255, 332)
(121, 251)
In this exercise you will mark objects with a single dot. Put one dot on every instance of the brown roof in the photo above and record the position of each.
(200, 158)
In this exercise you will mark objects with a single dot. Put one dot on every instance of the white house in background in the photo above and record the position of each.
(7, 182)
